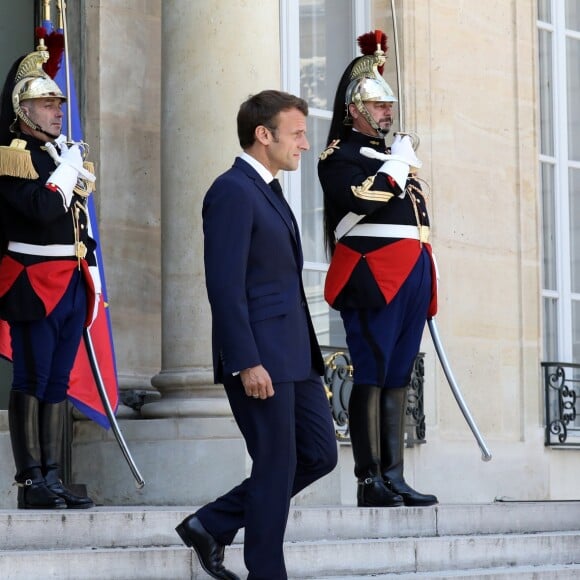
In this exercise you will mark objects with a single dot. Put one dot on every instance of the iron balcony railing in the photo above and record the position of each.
(338, 384)
(561, 390)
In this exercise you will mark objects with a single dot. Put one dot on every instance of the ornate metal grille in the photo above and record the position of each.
(561, 390)
(338, 384)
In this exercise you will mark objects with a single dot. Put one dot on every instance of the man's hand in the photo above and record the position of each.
(70, 156)
(257, 382)
(402, 147)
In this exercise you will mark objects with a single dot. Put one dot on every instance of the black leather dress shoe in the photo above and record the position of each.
(209, 552)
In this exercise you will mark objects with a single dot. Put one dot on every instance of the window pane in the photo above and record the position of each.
(574, 181)
(325, 48)
(549, 227)
(544, 12)
(573, 15)
(327, 322)
(576, 331)
(573, 80)
(312, 228)
(550, 329)
(546, 96)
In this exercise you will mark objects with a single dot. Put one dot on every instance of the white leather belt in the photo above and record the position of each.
(54, 250)
(390, 231)
(347, 223)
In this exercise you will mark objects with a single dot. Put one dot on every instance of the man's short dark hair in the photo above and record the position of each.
(262, 109)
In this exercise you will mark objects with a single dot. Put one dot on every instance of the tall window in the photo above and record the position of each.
(318, 41)
(559, 93)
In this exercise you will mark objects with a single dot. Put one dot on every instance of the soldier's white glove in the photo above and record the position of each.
(401, 159)
(403, 147)
(70, 155)
(61, 140)
(64, 177)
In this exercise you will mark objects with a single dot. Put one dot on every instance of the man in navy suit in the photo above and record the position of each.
(265, 350)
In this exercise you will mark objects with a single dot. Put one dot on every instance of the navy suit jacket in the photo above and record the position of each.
(253, 268)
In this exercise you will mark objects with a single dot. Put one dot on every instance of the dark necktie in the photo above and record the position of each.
(276, 187)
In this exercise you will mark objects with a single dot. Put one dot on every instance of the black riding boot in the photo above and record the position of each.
(51, 421)
(23, 420)
(363, 419)
(393, 404)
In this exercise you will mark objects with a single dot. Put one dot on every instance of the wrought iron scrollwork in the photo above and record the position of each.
(338, 384)
(415, 429)
(561, 388)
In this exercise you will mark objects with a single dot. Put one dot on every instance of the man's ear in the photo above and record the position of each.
(353, 111)
(262, 134)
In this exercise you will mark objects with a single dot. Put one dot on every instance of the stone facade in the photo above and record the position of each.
(162, 82)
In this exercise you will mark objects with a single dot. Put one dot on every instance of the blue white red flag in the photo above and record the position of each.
(83, 391)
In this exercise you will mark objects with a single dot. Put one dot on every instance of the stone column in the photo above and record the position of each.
(213, 56)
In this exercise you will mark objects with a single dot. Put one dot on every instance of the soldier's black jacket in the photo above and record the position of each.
(32, 213)
(340, 168)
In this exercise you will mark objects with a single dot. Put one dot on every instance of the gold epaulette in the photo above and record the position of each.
(329, 150)
(15, 160)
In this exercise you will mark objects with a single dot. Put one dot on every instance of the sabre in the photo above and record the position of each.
(139, 481)
(485, 452)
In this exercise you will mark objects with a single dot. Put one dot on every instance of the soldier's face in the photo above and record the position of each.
(45, 113)
(381, 113)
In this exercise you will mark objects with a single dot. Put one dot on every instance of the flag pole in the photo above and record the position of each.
(101, 389)
(62, 17)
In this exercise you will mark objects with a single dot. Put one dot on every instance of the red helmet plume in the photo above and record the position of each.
(369, 41)
(55, 45)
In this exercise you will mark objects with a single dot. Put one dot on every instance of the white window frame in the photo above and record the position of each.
(561, 163)
(290, 67)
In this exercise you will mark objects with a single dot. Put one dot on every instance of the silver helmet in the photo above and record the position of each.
(31, 82)
(368, 84)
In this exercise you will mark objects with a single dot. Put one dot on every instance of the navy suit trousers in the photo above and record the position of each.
(291, 440)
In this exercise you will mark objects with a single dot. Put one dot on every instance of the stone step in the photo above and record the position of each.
(313, 559)
(520, 540)
(142, 526)
(563, 572)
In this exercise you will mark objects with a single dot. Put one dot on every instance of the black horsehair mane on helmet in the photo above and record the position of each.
(54, 44)
(6, 110)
